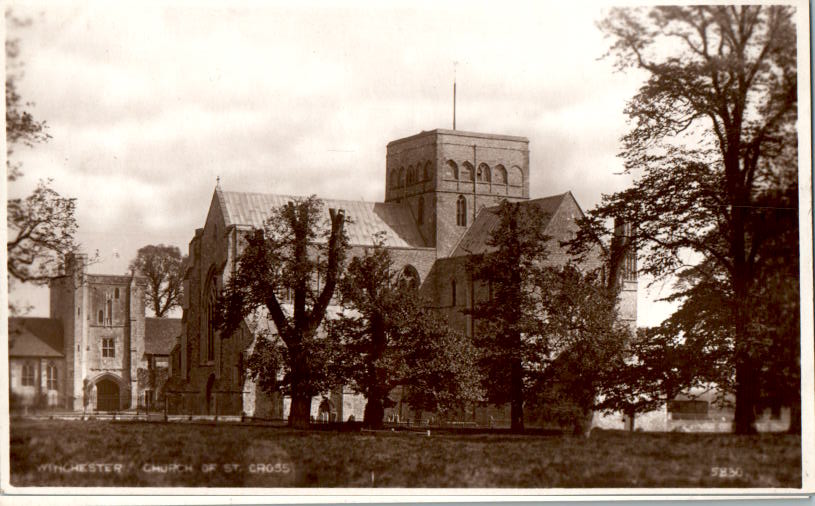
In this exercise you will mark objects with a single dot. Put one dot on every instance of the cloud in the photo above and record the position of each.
(149, 102)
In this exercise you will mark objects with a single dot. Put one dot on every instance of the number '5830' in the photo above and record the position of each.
(726, 472)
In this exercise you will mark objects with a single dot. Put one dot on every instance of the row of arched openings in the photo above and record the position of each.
(484, 173)
(413, 174)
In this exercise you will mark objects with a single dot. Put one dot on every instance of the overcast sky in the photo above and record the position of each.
(148, 103)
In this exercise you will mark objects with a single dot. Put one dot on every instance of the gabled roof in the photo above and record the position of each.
(369, 218)
(35, 337)
(474, 241)
(160, 334)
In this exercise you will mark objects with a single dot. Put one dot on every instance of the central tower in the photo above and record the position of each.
(447, 176)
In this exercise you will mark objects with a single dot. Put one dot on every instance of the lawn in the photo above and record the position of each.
(103, 453)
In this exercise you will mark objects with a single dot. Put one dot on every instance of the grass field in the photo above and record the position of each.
(256, 456)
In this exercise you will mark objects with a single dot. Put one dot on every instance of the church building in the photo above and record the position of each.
(440, 188)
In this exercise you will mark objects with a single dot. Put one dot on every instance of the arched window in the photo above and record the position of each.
(51, 376)
(115, 293)
(420, 211)
(461, 211)
(466, 171)
(453, 292)
(100, 317)
(411, 175)
(401, 176)
(110, 311)
(516, 176)
(483, 173)
(428, 171)
(409, 278)
(499, 175)
(28, 374)
(211, 295)
(451, 170)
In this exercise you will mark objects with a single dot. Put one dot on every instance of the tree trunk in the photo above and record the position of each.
(374, 413)
(517, 397)
(795, 418)
(300, 412)
(582, 423)
(746, 374)
(746, 393)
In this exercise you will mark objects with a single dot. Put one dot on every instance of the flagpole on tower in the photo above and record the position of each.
(454, 94)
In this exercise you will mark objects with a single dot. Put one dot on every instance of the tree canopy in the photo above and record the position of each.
(163, 266)
(297, 256)
(587, 342)
(713, 128)
(509, 329)
(390, 338)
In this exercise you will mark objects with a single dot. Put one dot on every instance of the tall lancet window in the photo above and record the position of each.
(211, 299)
(461, 211)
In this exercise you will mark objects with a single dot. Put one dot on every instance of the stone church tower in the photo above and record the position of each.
(472, 171)
(103, 327)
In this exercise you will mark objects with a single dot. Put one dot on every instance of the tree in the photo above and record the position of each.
(509, 332)
(655, 367)
(41, 231)
(713, 126)
(298, 252)
(163, 266)
(41, 227)
(777, 304)
(391, 339)
(702, 330)
(587, 342)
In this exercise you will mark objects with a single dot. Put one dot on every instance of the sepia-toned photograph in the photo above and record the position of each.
(493, 248)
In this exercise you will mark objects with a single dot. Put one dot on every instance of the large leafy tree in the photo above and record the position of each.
(391, 339)
(712, 127)
(695, 345)
(777, 305)
(509, 332)
(163, 266)
(301, 253)
(41, 226)
(586, 338)
(655, 367)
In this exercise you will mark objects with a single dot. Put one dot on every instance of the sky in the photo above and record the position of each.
(148, 103)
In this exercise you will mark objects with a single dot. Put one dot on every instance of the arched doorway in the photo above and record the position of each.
(107, 395)
(210, 393)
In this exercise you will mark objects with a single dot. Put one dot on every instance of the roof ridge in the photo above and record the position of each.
(324, 199)
(219, 194)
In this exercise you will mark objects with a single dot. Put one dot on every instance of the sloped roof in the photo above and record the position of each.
(160, 334)
(35, 337)
(475, 239)
(369, 218)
